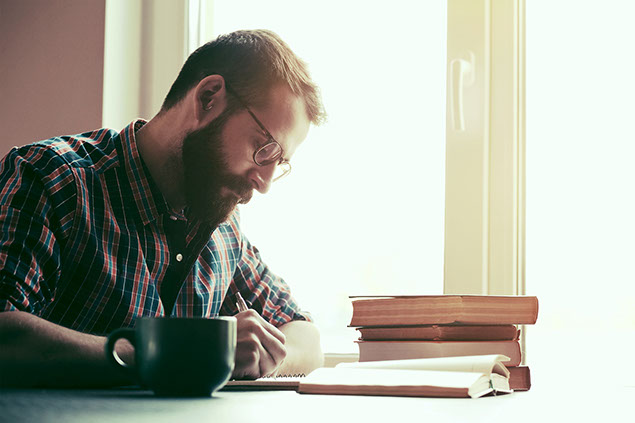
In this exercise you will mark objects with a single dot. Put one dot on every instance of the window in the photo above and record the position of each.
(363, 210)
(580, 149)
(391, 195)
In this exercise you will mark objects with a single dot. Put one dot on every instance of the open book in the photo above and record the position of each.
(468, 376)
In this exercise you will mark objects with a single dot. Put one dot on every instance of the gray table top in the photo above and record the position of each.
(553, 402)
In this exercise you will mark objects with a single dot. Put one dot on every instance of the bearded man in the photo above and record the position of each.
(102, 228)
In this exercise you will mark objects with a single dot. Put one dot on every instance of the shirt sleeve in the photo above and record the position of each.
(29, 252)
(263, 290)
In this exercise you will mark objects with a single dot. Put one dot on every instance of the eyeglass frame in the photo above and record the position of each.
(283, 163)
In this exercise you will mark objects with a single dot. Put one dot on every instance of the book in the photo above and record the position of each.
(439, 333)
(443, 309)
(519, 378)
(473, 377)
(402, 350)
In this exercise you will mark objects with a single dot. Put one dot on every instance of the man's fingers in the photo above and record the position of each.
(268, 364)
(254, 359)
(252, 317)
(260, 348)
(269, 336)
(274, 331)
(247, 361)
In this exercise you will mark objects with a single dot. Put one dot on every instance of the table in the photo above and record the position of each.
(598, 403)
(571, 382)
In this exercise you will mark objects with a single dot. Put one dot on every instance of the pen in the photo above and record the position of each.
(241, 305)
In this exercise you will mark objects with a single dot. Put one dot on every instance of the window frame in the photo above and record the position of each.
(145, 46)
(485, 161)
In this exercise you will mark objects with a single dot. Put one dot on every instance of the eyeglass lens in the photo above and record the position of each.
(268, 154)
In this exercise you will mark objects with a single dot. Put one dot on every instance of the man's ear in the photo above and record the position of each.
(210, 99)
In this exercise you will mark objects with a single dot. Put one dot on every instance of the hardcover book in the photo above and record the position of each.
(439, 333)
(443, 310)
(403, 350)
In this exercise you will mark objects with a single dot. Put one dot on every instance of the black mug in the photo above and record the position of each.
(179, 356)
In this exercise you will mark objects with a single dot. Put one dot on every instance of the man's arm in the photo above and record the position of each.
(37, 353)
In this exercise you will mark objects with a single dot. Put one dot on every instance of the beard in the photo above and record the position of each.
(211, 192)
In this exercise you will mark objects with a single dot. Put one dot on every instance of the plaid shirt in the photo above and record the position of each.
(83, 242)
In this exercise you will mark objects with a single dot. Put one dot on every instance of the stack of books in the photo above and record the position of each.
(433, 326)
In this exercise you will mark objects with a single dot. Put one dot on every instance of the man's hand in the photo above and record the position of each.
(260, 348)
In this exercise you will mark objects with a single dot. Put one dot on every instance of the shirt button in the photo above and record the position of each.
(179, 257)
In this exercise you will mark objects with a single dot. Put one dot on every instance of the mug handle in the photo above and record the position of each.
(111, 354)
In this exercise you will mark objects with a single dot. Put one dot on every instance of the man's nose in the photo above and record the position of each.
(261, 177)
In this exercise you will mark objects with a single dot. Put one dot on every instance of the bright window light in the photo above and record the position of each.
(362, 212)
(580, 173)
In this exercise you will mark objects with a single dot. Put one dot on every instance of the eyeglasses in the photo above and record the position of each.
(272, 151)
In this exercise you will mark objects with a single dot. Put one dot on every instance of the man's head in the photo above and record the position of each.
(252, 101)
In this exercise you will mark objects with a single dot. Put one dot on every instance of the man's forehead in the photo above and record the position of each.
(281, 100)
(285, 117)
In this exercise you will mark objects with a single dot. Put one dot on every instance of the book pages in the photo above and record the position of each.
(399, 382)
(484, 364)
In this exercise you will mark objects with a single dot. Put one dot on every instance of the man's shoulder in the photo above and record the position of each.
(95, 150)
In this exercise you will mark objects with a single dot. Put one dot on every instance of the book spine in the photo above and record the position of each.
(440, 333)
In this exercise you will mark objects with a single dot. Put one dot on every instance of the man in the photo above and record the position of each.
(102, 228)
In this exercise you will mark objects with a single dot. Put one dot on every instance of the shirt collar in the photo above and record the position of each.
(150, 203)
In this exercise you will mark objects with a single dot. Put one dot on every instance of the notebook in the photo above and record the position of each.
(277, 383)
